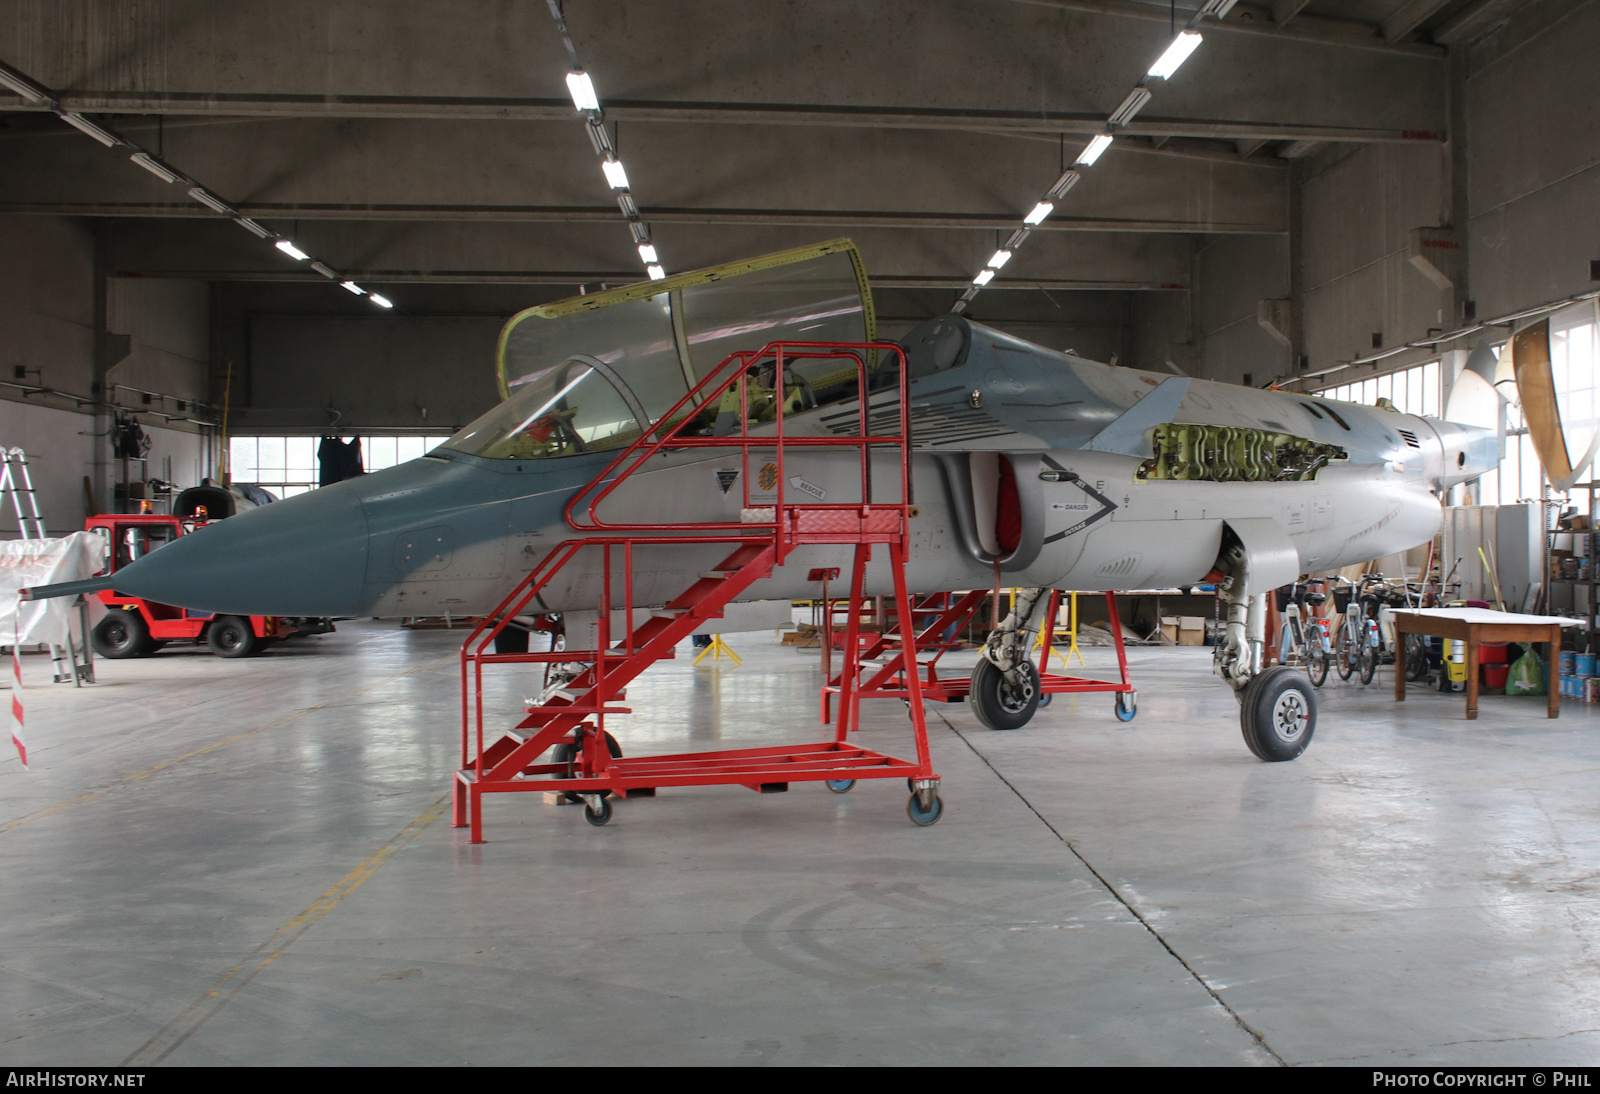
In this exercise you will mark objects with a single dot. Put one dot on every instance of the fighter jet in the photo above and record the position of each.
(1031, 465)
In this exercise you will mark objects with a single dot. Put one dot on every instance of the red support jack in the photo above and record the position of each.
(571, 718)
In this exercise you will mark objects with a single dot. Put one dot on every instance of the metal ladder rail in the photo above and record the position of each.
(16, 484)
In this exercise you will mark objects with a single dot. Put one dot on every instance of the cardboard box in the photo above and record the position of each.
(1191, 630)
(1169, 628)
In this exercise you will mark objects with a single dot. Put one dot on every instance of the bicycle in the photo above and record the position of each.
(1305, 639)
(1360, 638)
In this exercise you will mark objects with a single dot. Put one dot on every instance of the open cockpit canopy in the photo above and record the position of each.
(590, 373)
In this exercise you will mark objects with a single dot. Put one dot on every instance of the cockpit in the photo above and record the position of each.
(591, 373)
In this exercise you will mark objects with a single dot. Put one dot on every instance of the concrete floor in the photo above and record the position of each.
(218, 862)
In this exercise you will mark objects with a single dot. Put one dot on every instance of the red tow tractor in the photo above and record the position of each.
(134, 627)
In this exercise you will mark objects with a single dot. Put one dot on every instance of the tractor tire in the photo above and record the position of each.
(122, 634)
(231, 636)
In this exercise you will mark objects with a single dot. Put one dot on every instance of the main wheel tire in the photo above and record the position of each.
(1367, 659)
(1317, 664)
(121, 634)
(511, 640)
(1278, 714)
(231, 636)
(996, 703)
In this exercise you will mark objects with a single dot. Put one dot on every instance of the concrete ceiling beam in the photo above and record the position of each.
(1285, 10)
(820, 218)
(1410, 16)
(1475, 20)
(423, 107)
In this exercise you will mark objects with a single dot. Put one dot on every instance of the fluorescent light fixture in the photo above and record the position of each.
(647, 254)
(21, 86)
(1038, 213)
(582, 89)
(641, 234)
(599, 138)
(1219, 8)
(143, 160)
(656, 272)
(84, 125)
(1092, 151)
(1178, 52)
(291, 250)
(615, 175)
(998, 260)
(253, 228)
(385, 302)
(983, 278)
(324, 271)
(1135, 101)
(1016, 239)
(625, 203)
(1067, 181)
(352, 287)
(210, 201)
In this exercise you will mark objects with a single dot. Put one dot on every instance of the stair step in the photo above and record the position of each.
(715, 575)
(669, 613)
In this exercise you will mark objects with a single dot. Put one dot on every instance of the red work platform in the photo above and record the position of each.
(955, 610)
(586, 763)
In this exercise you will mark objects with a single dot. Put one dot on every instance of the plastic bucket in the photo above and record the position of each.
(1493, 653)
(1494, 675)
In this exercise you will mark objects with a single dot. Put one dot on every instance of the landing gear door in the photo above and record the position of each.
(1271, 560)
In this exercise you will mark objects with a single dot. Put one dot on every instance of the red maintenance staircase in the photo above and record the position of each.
(937, 615)
(570, 717)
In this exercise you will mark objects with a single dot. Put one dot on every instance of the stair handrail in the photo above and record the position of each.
(718, 381)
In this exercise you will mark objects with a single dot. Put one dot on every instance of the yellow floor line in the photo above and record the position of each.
(167, 1039)
(138, 776)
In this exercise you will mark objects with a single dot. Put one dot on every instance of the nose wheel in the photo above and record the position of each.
(1278, 714)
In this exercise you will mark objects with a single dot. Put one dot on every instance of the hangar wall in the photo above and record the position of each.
(1534, 185)
(48, 324)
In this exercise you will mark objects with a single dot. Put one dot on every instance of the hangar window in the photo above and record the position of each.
(288, 465)
(1412, 390)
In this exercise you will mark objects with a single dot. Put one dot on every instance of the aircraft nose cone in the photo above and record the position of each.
(306, 555)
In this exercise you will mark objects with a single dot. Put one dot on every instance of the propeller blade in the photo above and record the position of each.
(1530, 360)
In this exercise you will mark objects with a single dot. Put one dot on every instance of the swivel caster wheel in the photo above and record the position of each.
(1127, 706)
(841, 786)
(921, 817)
(598, 817)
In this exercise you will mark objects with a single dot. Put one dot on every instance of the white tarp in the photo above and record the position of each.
(25, 563)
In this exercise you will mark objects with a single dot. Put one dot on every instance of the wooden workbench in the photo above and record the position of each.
(1475, 625)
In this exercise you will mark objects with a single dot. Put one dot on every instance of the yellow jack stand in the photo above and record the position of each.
(1072, 647)
(718, 651)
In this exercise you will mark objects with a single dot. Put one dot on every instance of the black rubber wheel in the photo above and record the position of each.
(121, 634)
(920, 817)
(841, 786)
(567, 753)
(1317, 660)
(1366, 659)
(1416, 658)
(597, 818)
(511, 640)
(1278, 714)
(231, 636)
(996, 703)
(1344, 656)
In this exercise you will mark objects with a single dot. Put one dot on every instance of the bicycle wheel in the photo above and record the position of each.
(1367, 653)
(1317, 658)
(1416, 658)
(1345, 656)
